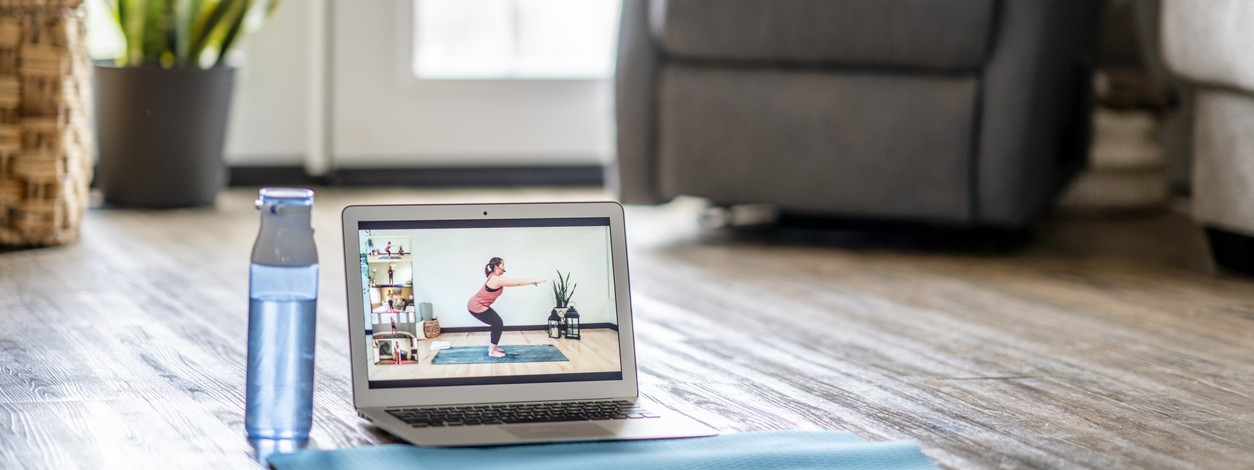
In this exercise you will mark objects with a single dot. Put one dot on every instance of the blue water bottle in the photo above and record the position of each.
(282, 312)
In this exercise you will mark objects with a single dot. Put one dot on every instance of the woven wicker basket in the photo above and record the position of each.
(431, 328)
(45, 122)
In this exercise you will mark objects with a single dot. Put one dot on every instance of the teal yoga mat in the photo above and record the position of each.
(749, 450)
(514, 353)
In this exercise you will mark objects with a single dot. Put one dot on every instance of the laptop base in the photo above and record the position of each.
(668, 425)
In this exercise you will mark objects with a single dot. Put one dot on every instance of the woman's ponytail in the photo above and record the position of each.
(492, 264)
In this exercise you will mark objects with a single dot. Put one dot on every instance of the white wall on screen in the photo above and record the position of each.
(448, 270)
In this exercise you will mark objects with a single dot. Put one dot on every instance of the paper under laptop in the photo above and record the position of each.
(411, 267)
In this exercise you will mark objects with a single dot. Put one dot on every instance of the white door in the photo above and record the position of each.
(469, 109)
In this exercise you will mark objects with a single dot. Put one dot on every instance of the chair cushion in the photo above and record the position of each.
(1210, 42)
(864, 145)
(927, 34)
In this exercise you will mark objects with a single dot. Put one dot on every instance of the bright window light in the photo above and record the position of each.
(514, 39)
(104, 39)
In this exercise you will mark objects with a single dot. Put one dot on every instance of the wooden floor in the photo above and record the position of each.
(1101, 344)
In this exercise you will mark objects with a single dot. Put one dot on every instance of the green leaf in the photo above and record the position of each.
(184, 17)
(131, 14)
(156, 21)
(210, 13)
(259, 14)
(206, 48)
(185, 33)
(228, 38)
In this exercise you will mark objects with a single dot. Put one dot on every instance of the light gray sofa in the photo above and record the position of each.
(955, 112)
(1209, 44)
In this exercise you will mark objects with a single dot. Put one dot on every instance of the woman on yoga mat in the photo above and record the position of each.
(480, 304)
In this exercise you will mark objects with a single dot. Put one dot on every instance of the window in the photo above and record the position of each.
(104, 39)
(514, 39)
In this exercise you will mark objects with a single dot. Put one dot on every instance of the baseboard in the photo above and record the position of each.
(239, 176)
(557, 175)
(482, 329)
(479, 329)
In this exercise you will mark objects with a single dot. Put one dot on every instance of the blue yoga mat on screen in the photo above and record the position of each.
(515, 353)
(749, 450)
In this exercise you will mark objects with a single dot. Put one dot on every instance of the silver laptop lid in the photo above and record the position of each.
(399, 258)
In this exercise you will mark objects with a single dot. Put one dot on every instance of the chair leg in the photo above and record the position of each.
(1231, 251)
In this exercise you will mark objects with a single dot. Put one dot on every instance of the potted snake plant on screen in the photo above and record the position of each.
(563, 290)
(162, 106)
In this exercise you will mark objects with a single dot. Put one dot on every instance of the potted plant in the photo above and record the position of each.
(162, 106)
(563, 290)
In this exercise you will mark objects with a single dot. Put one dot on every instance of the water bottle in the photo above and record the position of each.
(282, 299)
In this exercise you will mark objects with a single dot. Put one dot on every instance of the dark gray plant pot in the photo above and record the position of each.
(161, 134)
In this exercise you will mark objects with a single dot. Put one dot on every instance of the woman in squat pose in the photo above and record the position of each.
(480, 304)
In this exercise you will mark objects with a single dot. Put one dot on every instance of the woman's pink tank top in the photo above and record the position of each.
(483, 299)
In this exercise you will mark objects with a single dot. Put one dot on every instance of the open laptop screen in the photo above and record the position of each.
(416, 274)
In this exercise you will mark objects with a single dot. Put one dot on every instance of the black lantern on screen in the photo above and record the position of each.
(555, 324)
(572, 323)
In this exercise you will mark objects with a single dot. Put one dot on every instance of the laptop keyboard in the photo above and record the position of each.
(520, 413)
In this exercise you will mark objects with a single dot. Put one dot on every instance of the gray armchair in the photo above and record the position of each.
(966, 113)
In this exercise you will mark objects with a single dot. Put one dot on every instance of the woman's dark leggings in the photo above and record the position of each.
(493, 319)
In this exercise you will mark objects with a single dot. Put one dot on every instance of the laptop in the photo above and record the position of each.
(504, 365)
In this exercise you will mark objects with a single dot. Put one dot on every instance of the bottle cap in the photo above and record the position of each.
(285, 196)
